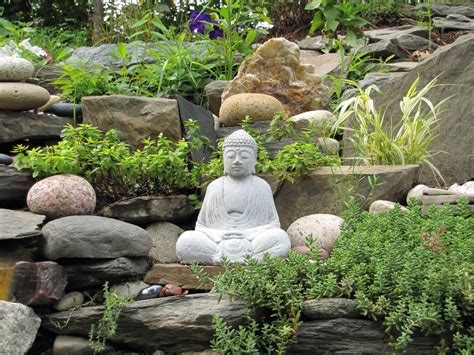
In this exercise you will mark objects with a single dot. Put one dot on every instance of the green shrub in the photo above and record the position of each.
(412, 271)
(161, 166)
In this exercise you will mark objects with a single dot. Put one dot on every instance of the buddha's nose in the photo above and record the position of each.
(237, 162)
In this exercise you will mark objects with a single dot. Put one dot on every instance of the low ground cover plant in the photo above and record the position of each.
(413, 272)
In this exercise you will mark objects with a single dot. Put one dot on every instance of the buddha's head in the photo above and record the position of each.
(240, 154)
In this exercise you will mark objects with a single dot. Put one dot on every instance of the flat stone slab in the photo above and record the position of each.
(16, 126)
(89, 272)
(19, 224)
(393, 32)
(172, 324)
(330, 308)
(326, 189)
(454, 22)
(180, 275)
(14, 186)
(351, 336)
(148, 209)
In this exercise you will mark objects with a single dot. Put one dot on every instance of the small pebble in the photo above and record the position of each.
(5, 159)
(70, 300)
(152, 291)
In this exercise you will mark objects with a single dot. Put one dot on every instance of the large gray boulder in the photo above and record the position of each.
(93, 237)
(136, 118)
(19, 224)
(16, 126)
(171, 324)
(18, 327)
(454, 65)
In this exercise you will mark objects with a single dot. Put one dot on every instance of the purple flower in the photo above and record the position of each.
(198, 21)
(216, 32)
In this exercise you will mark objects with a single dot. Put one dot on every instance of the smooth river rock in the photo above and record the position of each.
(93, 237)
(22, 96)
(5, 159)
(18, 327)
(171, 324)
(323, 228)
(70, 300)
(62, 195)
(259, 107)
(15, 69)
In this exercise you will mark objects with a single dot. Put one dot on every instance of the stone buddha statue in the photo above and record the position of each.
(238, 216)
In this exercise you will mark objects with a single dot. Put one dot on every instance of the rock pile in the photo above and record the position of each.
(15, 95)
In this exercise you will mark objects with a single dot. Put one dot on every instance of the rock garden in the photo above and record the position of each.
(236, 177)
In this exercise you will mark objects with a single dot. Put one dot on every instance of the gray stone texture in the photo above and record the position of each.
(171, 324)
(351, 336)
(15, 69)
(93, 237)
(330, 308)
(90, 272)
(16, 126)
(454, 22)
(143, 210)
(164, 236)
(136, 118)
(18, 327)
(19, 224)
(14, 186)
(328, 188)
(394, 32)
(214, 92)
(454, 65)
(453, 9)
(129, 289)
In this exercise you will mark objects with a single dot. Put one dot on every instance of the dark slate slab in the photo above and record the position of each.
(205, 119)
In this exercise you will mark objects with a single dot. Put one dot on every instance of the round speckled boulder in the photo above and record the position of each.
(324, 228)
(259, 107)
(22, 96)
(62, 195)
(15, 69)
(321, 120)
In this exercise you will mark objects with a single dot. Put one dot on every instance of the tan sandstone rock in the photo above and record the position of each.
(259, 107)
(275, 69)
(22, 96)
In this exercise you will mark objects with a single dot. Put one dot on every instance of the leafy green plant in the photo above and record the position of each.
(331, 16)
(107, 326)
(273, 284)
(421, 278)
(409, 270)
(113, 168)
(379, 142)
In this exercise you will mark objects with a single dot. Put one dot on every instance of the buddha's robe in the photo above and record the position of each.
(218, 233)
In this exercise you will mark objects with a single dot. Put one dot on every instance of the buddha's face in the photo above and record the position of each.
(239, 162)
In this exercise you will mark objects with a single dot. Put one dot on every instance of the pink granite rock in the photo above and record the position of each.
(62, 195)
